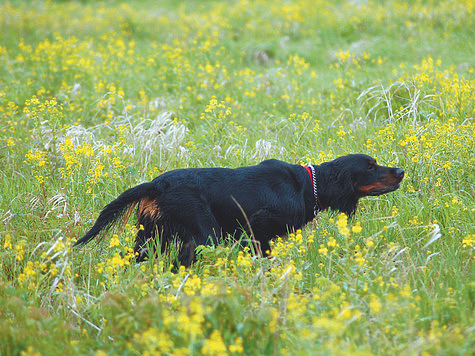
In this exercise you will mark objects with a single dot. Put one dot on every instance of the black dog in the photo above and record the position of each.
(198, 205)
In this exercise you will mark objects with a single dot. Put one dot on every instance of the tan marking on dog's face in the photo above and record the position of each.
(370, 187)
(388, 180)
(149, 207)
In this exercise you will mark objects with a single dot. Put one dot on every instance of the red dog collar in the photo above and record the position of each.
(311, 172)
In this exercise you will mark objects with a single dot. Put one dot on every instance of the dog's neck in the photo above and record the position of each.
(328, 197)
(313, 178)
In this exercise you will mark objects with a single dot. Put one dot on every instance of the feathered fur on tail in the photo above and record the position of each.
(116, 209)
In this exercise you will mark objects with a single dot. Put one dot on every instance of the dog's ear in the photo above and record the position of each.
(347, 197)
(341, 193)
(344, 180)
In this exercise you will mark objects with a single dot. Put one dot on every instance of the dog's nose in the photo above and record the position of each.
(399, 172)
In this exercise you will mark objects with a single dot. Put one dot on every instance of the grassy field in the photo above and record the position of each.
(96, 97)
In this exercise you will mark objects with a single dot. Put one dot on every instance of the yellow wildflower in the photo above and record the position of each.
(214, 345)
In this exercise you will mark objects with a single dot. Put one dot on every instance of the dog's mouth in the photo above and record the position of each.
(380, 191)
(377, 188)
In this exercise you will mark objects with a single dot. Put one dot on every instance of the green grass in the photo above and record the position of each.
(96, 97)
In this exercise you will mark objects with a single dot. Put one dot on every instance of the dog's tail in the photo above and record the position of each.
(116, 209)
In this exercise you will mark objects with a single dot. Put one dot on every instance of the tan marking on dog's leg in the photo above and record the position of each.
(149, 207)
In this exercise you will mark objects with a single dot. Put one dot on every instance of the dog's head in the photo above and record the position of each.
(355, 176)
(369, 178)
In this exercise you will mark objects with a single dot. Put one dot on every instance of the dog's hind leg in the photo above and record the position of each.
(149, 217)
(200, 228)
(192, 223)
(187, 254)
(206, 234)
(145, 239)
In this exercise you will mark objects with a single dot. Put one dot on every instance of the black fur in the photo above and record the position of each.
(198, 205)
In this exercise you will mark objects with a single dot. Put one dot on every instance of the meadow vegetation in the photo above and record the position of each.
(96, 97)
